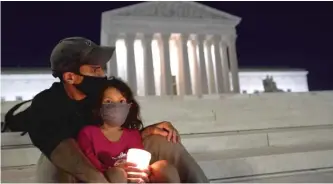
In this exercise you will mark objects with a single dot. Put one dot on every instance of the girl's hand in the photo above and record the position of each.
(134, 174)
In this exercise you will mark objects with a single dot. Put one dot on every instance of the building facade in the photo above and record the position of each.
(163, 43)
(167, 48)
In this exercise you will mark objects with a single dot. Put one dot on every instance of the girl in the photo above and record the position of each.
(106, 144)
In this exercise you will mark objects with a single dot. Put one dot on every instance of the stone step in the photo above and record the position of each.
(303, 176)
(13, 156)
(23, 174)
(26, 175)
(236, 163)
(267, 160)
(236, 112)
(207, 142)
(219, 141)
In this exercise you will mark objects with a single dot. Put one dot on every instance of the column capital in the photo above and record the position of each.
(148, 37)
(130, 37)
(165, 36)
(216, 38)
(113, 38)
(229, 39)
(224, 43)
(122, 36)
(184, 36)
(209, 41)
(201, 37)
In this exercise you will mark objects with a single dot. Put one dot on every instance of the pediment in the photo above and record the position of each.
(172, 9)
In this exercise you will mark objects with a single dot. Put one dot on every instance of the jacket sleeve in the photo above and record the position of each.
(49, 130)
(46, 127)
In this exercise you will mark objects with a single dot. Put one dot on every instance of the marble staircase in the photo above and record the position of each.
(234, 138)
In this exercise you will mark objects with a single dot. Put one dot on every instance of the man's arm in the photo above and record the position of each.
(164, 129)
(68, 156)
(52, 135)
(151, 130)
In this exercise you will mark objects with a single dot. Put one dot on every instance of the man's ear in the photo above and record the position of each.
(69, 77)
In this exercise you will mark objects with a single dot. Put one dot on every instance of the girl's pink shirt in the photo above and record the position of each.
(104, 153)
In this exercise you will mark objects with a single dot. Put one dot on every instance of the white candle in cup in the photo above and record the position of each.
(139, 157)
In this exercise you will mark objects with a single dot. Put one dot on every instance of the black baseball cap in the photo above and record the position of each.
(71, 53)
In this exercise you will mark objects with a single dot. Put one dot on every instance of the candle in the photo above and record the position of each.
(139, 157)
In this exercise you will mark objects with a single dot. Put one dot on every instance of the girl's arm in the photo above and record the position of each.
(86, 144)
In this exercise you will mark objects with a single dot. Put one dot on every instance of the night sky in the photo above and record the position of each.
(271, 34)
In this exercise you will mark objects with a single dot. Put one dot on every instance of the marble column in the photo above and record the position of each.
(112, 64)
(218, 64)
(149, 81)
(196, 69)
(210, 68)
(131, 69)
(202, 64)
(225, 66)
(166, 78)
(110, 40)
(184, 67)
(233, 64)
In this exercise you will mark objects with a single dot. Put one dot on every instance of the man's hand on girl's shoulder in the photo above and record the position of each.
(165, 129)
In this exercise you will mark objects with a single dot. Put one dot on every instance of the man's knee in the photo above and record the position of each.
(161, 166)
(116, 175)
(162, 149)
(164, 172)
(177, 155)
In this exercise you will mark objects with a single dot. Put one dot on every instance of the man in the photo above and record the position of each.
(58, 113)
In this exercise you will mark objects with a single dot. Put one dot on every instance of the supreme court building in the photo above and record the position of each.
(179, 48)
(167, 48)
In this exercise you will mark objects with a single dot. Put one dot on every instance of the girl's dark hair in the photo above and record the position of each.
(133, 120)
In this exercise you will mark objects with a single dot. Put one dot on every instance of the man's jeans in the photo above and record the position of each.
(158, 146)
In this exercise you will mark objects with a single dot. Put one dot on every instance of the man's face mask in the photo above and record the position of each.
(91, 86)
(115, 114)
